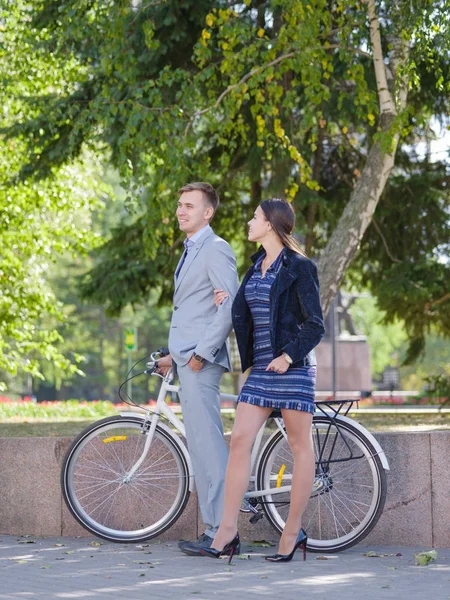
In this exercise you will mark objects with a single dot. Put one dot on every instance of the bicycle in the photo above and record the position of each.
(127, 478)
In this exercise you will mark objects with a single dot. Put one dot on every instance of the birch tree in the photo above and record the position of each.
(392, 88)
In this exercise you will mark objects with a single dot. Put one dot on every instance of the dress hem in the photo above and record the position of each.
(302, 405)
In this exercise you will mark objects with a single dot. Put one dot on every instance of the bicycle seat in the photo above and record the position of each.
(275, 414)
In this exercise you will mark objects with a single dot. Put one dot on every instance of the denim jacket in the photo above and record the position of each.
(296, 321)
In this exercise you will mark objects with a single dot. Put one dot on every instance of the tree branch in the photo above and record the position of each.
(386, 247)
(230, 88)
(428, 305)
(354, 50)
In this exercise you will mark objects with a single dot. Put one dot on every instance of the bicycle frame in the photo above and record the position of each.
(151, 420)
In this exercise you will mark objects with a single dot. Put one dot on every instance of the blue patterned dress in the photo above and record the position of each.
(291, 390)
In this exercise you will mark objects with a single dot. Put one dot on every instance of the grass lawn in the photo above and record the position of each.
(68, 419)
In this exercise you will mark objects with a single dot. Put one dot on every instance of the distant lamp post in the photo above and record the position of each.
(333, 347)
(391, 378)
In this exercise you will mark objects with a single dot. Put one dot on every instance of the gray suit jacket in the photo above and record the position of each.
(198, 325)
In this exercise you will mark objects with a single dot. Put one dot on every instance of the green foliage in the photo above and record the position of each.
(37, 221)
(40, 216)
(389, 347)
(90, 332)
(402, 257)
(438, 387)
(260, 98)
(385, 340)
(56, 411)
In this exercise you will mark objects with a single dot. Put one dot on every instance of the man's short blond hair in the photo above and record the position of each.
(209, 193)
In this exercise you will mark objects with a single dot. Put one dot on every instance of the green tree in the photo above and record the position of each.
(37, 220)
(257, 97)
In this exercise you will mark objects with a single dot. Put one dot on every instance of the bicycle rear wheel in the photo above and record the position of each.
(349, 489)
(95, 489)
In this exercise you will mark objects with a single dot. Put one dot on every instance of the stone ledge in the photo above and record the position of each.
(416, 511)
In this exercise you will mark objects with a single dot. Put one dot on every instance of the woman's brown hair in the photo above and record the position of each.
(281, 216)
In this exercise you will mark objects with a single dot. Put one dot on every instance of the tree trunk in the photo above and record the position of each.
(358, 213)
(346, 237)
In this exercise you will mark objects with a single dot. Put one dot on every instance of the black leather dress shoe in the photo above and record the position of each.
(193, 548)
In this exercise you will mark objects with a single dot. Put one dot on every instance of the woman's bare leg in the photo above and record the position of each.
(248, 421)
(299, 431)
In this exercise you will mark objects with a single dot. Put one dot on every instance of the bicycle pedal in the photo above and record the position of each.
(255, 518)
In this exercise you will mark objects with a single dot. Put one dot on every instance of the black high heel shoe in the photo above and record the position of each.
(302, 538)
(233, 547)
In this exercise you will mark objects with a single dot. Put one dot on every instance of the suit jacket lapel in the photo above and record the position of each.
(176, 270)
(191, 256)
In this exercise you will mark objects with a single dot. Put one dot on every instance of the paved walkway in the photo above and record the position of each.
(81, 568)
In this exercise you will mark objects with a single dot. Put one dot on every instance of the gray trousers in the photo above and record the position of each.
(200, 403)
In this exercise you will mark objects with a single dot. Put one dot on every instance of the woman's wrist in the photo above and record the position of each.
(287, 358)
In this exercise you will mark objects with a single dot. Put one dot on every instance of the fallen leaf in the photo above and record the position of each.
(69, 552)
(21, 562)
(27, 541)
(423, 558)
(45, 567)
(141, 574)
(321, 558)
(243, 556)
(59, 545)
(96, 543)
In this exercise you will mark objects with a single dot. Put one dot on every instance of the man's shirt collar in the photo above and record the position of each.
(197, 236)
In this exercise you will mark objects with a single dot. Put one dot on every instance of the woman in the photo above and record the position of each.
(278, 321)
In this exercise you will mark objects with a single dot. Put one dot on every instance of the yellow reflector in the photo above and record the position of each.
(280, 475)
(116, 438)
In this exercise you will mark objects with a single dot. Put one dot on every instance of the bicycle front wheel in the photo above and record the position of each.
(107, 502)
(349, 489)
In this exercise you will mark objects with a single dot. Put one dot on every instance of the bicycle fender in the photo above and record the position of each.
(171, 433)
(379, 450)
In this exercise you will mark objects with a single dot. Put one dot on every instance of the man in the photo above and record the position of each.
(198, 345)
